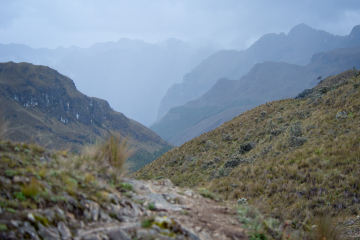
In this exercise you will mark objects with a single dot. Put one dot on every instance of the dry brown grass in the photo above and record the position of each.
(108, 157)
(321, 176)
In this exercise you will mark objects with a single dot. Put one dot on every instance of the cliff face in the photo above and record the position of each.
(44, 106)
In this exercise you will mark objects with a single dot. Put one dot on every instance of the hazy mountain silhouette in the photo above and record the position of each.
(297, 47)
(267, 81)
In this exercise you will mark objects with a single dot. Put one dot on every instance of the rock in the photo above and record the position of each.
(144, 234)
(31, 217)
(341, 115)
(163, 222)
(15, 223)
(48, 233)
(4, 181)
(189, 192)
(64, 231)
(216, 159)
(242, 201)
(104, 216)
(17, 179)
(118, 234)
(92, 210)
(28, 231)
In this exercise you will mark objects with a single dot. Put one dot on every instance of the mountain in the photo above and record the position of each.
(267, 81)
(295, 158)
(44, 107)
(130, 71)
(297, 47)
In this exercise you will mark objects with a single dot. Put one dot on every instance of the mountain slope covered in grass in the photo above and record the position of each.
(294, 158)
(265, 82)
(42, 106)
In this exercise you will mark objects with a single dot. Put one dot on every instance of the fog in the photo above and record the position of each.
(135, 77)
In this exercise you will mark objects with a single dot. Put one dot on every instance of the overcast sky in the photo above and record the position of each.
(229, 23)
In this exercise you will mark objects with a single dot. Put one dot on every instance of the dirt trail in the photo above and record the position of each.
(206, 218)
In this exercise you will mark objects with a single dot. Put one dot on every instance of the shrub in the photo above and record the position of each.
(246, 147)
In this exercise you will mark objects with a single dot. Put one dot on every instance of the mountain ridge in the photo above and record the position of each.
(267, 81)
(296, 47)
(43, 106)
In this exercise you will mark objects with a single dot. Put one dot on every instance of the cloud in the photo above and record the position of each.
(231, 23)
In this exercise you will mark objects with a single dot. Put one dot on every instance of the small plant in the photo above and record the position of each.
(3, 227)
(146, 223)
(125, 187)
(19, 196)
(10, 173)
(151, 206)
(206, 193)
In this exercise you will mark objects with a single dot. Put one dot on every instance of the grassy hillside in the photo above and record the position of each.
(44, 107)
(293, 158)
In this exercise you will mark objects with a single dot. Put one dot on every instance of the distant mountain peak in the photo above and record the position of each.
(301, 28)
(355, 32)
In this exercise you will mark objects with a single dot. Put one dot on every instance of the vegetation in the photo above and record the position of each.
(32, 168)
(304, 162)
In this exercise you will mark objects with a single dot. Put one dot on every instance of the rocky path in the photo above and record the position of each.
(205, 218)
(151, 210)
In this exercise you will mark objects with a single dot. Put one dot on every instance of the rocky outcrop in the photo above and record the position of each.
(42, 105)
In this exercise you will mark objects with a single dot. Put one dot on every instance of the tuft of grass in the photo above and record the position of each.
(116, 152)
(106, 158)
(32, 189)
(326, 228)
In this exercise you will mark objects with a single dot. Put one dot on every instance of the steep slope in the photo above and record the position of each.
(105, 70)
(265, 82)
(296, 48)
(295, 158)
(43, 106)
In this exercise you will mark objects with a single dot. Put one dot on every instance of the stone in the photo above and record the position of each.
(17, 179)
(104, 216)
(242, 201)
(48, 233)
(15, 223)
(118, 234)
(5, 181)
(341, 115)
(64, 231)
(92, 210)
(28, 231)
(31, 217)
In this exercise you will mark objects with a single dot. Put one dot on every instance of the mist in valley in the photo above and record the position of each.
(131, 53)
